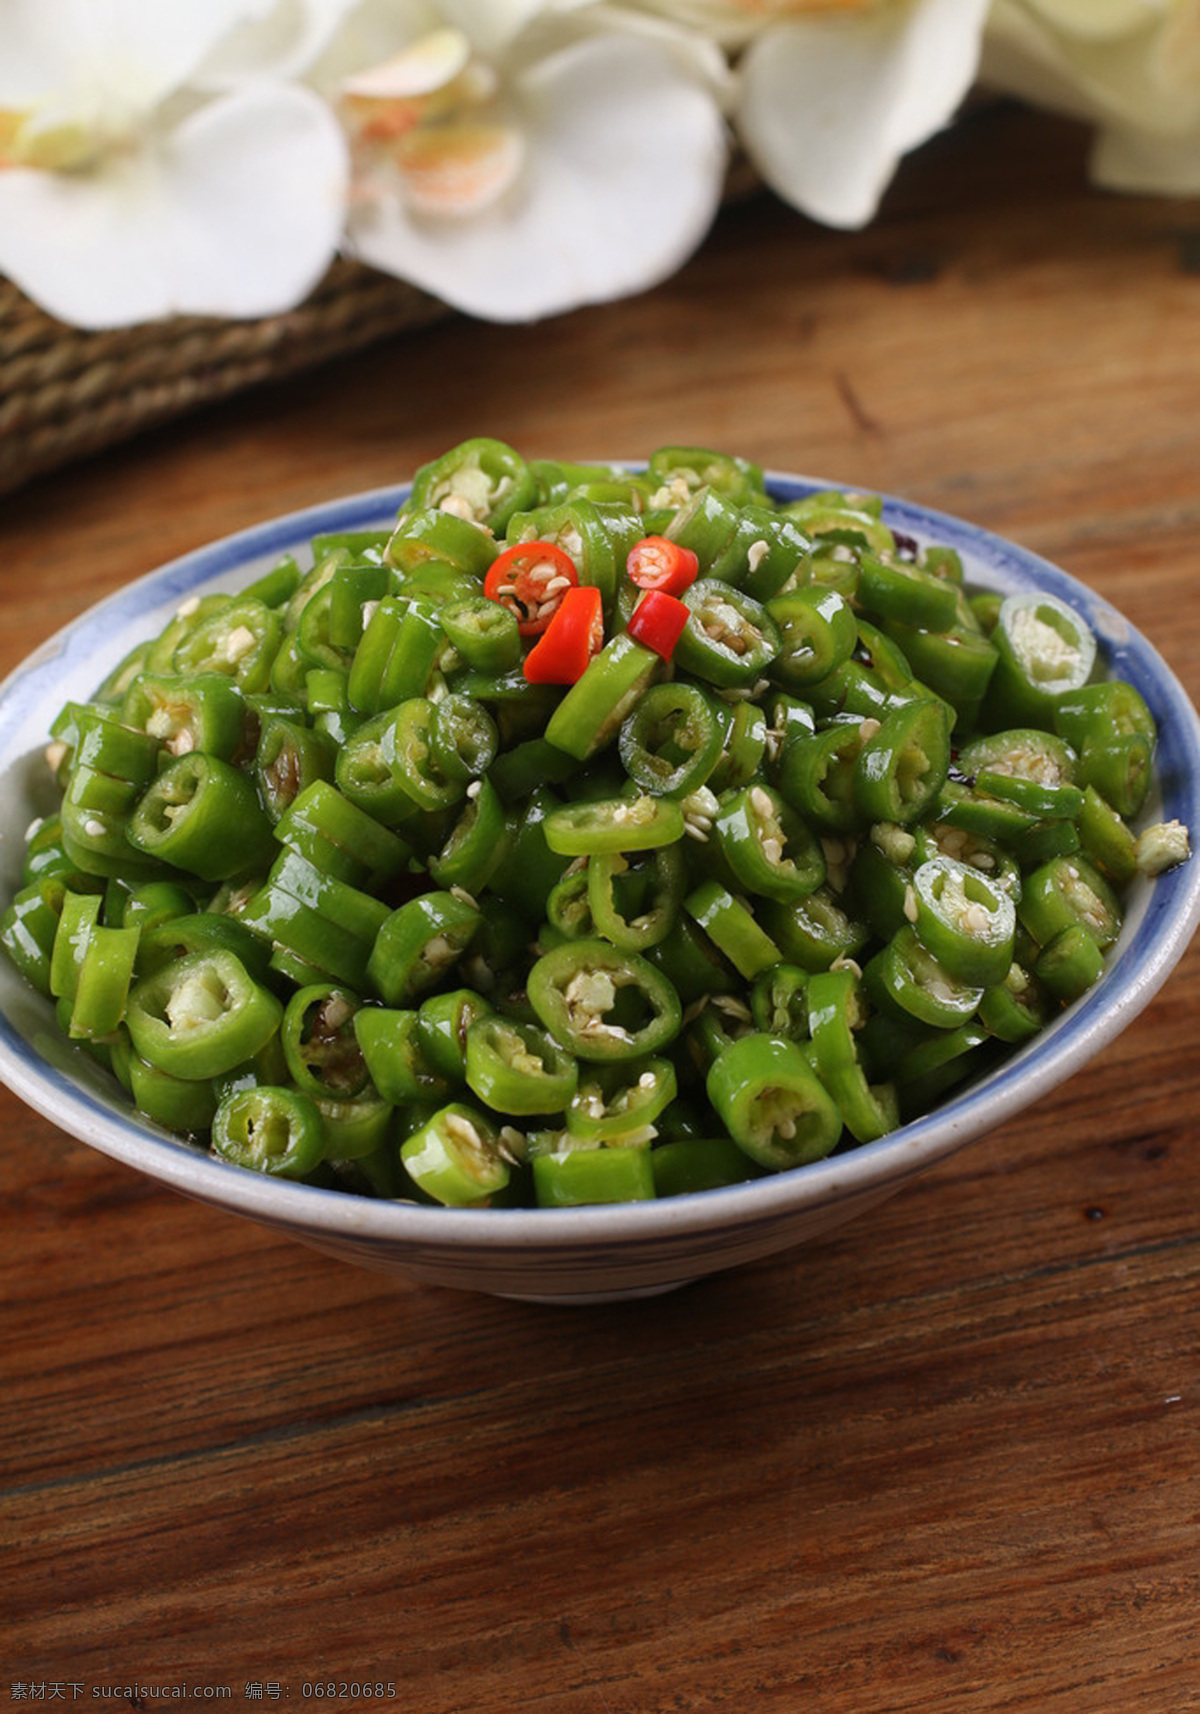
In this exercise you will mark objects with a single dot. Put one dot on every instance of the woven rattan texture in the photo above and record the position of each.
(65, 392)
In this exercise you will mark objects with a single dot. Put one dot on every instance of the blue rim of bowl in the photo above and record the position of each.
(1160, 924)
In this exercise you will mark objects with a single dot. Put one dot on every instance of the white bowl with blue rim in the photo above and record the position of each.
(594, 1253)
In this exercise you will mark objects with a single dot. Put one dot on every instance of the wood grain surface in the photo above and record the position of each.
(945, 1460)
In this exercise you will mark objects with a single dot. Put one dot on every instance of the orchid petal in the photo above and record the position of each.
(588, 222)
(493, 24)
(371, 34)
(1022, 58)
(237, 214)
(733, 23)
(54, 47)
(1138, 94)
(1097, 19)
(274, 38)
(830, 105)
(697, 55)
(426, 65)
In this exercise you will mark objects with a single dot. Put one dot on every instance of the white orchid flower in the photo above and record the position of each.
(833, 93)
(519, 160)
(1131, 68)
(125, 196)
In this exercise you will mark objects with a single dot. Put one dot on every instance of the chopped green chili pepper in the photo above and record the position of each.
(271, 1130)
(896, 589)
(575, 1177)
(689, 1164)
(201, 1015)
(239, 640)
(601, 1003)
(477, 843)
(963, 920)
(766, 553)
(395, 656)
(529, 869)
(203, 815)
(591, 713)
(514, 1067)
(340, 838)
(738, 480)
(779, 1001)
(419, 943)
(200, 931)
(846, 520)
(1070, 963)
(78, 918)
(671, 742)
(614, 824)
(768, 848)
(442, 1023)
(456, 1157)
(46, 855)
(28, 927)
(484, 633)
(905, 976)
(1106, 839)
(817, 776)
(103, 979)
(690, 961)
(814, 931)
(937, 1065)
(730, 924)
(730, 640)
(320, 1046)
(568, 911)
(289, 757)
(817, 635)
(617, 1105)
(396, 1056)
(634, 904)
(357, 1128)
(464, 737)
(1120, 769)
(903, 764)
(1027, 767)
(1045, 651)
(745, 747)
(835, 1011)
(880, 876)
(425, 533)
(482, 479)
(772, 1103)
(1065, 891)
(957, 664)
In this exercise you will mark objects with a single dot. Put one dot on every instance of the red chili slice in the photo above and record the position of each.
(574, 634)
(658, 621)
(656, 562)
(531, 578)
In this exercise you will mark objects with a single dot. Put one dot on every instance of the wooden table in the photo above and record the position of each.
(945, 1460)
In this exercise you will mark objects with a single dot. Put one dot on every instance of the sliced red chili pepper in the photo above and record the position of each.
(573, 635)
(656, 562)
(657, 622)
(530, 579)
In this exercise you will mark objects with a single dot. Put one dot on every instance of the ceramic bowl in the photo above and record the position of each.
(580, 1254)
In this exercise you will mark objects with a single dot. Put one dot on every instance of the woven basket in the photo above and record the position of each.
(65, 392)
